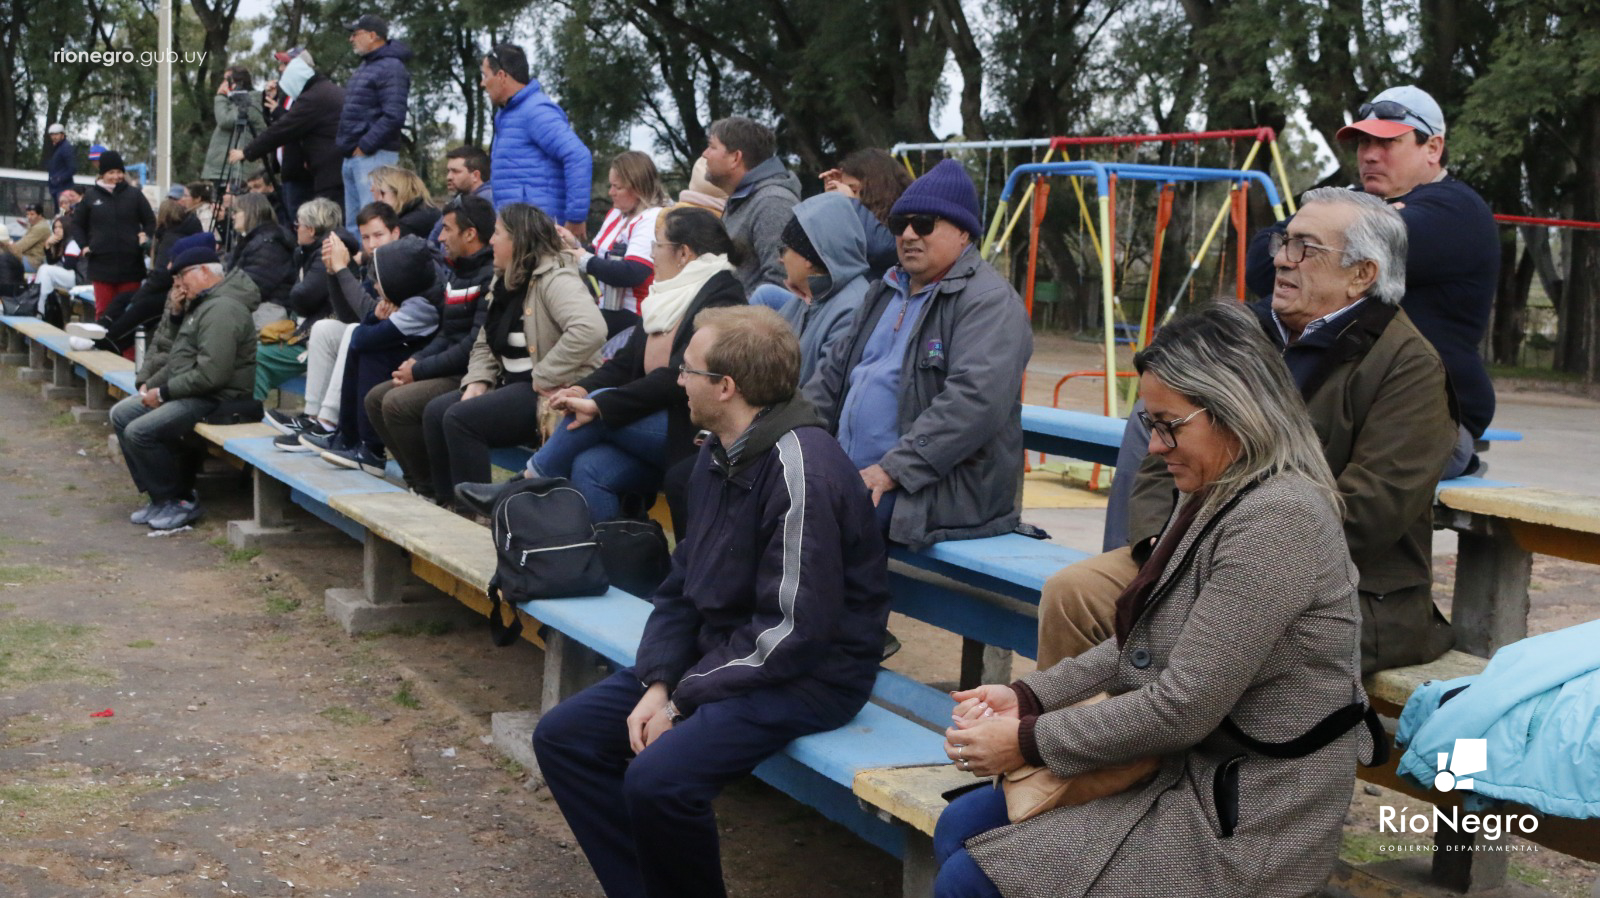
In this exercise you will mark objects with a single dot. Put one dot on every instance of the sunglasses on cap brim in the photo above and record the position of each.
(1390, 111)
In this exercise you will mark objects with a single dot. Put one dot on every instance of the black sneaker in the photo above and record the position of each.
(321, 442)
(282, 422)
(309, 424)
(360, 458)
(290, 442)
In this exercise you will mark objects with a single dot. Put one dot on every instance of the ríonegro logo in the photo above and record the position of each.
(1456, 767)
(1470, 756)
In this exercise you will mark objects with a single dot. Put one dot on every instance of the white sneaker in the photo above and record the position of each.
(82, 329)
(81, 344)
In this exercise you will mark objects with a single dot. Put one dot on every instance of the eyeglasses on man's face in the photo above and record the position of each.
(1167, 430)
(685, 369)
(1295, 249)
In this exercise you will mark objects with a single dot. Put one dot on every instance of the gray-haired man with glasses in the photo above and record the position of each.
(1376, 393)
(1453, 263)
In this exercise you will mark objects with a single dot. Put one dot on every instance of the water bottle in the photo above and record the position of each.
(138, 349)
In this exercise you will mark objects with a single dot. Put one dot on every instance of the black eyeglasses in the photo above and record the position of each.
(1294, 248)
(685, 369)
(1389, 110)
(1167, 430)
(921, 225)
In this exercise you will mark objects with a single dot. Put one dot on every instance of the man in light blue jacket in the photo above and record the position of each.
(536, 157)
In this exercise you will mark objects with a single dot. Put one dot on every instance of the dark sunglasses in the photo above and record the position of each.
(1389, 110)
(921, 225)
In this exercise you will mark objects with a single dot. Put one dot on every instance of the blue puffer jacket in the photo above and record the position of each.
(538, 159)
(1537, 704)
(375, 101)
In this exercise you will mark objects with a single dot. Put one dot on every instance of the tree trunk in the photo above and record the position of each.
(1578, 351)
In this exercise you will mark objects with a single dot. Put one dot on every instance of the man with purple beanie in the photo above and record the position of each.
(924, 393)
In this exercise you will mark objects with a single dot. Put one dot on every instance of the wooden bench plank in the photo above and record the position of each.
(911, 795)
(304, 472)
(1390, 689)
(99, 361)
(444, 539)
(1530, 505)
(124, 381)
(1011, 564)
(220, 434)
(30, 327)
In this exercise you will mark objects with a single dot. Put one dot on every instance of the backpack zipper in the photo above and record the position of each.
(527, 552)
(504, 520)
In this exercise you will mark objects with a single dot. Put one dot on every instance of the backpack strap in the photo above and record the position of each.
(502, 634)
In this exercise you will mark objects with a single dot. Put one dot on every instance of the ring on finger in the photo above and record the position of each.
(961, 751)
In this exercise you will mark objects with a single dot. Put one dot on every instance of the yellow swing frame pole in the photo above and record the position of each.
(1283, 178)
(1108, 313)
(989, 242)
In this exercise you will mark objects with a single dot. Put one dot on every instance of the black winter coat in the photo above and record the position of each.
(418, 218)
(636, 393)
(267, 255)
(312, 122)
(461, 317)
(108, 224)
(165, 237)
(308, 298)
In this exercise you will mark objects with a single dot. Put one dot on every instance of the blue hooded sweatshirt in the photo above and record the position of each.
(831, 224)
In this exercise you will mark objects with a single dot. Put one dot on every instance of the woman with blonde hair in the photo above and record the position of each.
(1232, 683)
(405, 192)
(621, 257)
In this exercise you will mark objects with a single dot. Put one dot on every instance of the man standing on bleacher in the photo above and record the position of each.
(211, 358)
(769, 627)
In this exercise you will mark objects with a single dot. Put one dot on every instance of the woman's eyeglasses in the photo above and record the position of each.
(1167, 430)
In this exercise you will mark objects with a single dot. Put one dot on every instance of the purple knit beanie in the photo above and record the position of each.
(946, 191)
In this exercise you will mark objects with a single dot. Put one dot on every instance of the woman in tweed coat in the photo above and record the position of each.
(1248, 614)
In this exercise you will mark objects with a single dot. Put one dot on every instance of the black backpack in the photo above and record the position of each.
(546, 547)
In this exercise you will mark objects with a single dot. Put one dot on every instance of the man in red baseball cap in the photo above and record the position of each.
(1453, 264)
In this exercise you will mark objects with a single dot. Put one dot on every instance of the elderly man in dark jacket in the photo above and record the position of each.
(1377, 395)
(108, 224)
(925, 391)
(395, 406)
(768, 628)
(205, 355)
(310, 124)
(374, 109)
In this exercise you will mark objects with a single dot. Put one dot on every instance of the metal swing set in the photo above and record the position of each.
(1036, 175)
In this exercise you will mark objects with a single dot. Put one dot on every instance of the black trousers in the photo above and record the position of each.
(127, 312)
(461, 433)
(645, 822)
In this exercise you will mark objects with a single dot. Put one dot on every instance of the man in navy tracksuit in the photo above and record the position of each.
(769, 627)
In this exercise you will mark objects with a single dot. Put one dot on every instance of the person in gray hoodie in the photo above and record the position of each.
(824, 255)
(741, 158)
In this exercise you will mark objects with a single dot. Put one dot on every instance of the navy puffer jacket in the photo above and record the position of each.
(375, 101)
(538, 159)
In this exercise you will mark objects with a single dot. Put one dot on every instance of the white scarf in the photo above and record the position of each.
(669, 299)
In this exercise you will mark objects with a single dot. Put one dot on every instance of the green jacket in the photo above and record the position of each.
(213, 353)
(226, 111)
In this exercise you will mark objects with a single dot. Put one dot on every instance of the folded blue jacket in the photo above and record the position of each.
(1537, 705)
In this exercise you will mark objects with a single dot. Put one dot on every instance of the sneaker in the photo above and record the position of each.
(142, 516)
(282, 422)
(87, 331)
(321, 442)
(290, 442)
(175, 513)
(360, 458)
(81, 344)
(308, 424)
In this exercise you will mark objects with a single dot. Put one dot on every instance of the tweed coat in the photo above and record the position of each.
(1260, 624)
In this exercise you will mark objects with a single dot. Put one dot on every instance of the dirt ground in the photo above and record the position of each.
(257, 750)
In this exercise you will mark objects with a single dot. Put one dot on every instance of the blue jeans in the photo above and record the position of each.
(976, 812)
(152, 443)
(772, 296)
(357, 190)
(605, 463)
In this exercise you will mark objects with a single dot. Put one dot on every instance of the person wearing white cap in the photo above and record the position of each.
(1453, 264)
(60, 160)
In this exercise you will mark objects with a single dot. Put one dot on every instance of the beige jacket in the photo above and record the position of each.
(563, 327)
(1261, 625)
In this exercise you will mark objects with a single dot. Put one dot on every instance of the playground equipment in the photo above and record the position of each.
(1106, 176)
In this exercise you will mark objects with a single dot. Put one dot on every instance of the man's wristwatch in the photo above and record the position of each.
(672, 712)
